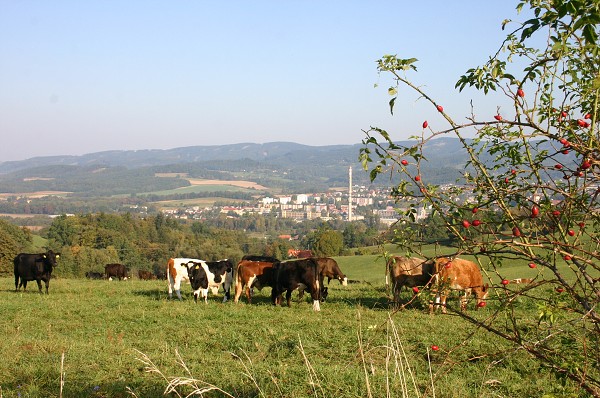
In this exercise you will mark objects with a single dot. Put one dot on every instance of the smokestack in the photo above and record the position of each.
(350, 194)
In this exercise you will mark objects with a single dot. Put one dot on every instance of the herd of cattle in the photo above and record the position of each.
(308, 274)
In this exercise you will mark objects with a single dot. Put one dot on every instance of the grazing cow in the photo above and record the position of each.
(94, 275)
(146, 275)
(458, 274)
(410, 272)
(204, 275)
(34, 267)
(328, 268)
(253, 273)
(115, 270)
(294, 274)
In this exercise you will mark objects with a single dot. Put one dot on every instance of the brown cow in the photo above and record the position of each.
(458, 274)
(146, 275)
(293, 274)
(328, 268)
(253, 274)
(410, 272)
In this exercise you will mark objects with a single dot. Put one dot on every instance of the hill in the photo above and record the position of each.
(283, 165)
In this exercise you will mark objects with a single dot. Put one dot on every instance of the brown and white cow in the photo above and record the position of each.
(409, 272)
(177, 272)
(253, 274)
(295, 274)
(458, 274)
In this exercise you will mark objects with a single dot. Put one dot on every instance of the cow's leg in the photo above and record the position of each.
(47, 284)
(249, 294)
(39, 283)
(315, 294)
(288, 297)
(16, 282)
(443, 299)
(205, 295)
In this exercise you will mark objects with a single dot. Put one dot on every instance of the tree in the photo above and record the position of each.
(531, 184)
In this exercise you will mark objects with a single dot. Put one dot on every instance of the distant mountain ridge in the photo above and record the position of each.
(273, 152)
(286, 166)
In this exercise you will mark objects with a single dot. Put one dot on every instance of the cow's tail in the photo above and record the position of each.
(238, 284)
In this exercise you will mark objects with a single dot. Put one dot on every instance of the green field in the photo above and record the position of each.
(349, 349)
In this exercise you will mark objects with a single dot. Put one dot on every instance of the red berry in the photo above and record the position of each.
(448, 264)
(435, 348)
(567, 257)
(571, 232)
(560, 289)
(588, 116)
(586, 164)
(558, 166)
(581, 225)
(564, 114)
(404, 162)
(425, 124)
(556, 213)
(564, 141)
(535, 211)
(498, 117)
(481, 304)
(505, 282)
(520, 93)
(475, 210)
(417, 178)
(466, 223)
(440, 108)
(476, 223)
(516, 232)
(506, 180)
(582, 123)
(416, 289)
(513, 172)
(565, 151)
(532, 265)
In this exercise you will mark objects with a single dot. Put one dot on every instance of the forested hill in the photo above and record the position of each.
(277, 164)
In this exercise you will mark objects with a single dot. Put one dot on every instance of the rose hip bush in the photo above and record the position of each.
(530, 189)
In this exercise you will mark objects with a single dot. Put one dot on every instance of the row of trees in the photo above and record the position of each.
(88, 242)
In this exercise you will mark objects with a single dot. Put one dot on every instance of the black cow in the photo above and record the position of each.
(291, 275)
(115, 270)
(34, 267)
(94, 275)
(206, 275)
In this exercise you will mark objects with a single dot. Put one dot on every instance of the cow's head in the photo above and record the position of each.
(197, 275)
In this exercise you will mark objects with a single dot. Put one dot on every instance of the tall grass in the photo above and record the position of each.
(354, 347)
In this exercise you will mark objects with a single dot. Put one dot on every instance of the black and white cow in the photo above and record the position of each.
(297, 274)
(183, 269)
(34, 267)
(204, 275)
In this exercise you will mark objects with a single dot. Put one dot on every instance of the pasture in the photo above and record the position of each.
(355, 347)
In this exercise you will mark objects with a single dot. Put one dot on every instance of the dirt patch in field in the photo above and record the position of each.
(241, 184)
(37, 194)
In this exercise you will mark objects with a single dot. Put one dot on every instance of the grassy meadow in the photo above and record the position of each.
(355, 347)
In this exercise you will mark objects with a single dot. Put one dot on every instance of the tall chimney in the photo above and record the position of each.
(350, 194)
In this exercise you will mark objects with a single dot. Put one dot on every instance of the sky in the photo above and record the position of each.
(78, 77)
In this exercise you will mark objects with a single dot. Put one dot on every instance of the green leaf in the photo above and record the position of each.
(392, 102)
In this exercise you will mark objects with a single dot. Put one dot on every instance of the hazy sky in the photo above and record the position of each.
(87, 76)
